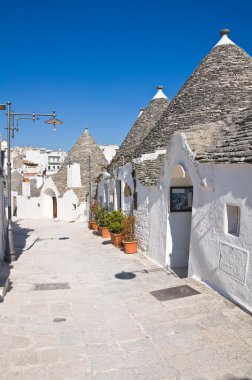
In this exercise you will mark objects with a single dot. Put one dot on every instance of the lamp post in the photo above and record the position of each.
(10, 248)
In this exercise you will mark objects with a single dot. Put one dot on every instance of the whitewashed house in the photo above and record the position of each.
(64, 195)
(191, 176)
(3, 221)
(116, 187)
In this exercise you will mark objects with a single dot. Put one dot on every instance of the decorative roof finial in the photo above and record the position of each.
(141, 111)
(160, 94)
(225, 40)
(224, 32)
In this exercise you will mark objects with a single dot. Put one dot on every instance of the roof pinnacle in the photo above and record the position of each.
(224, 32)
(225, 40)
(160, 94)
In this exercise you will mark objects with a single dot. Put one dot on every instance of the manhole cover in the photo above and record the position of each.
(58, 320)
(174, 293)
(52, 286)
(125, 275)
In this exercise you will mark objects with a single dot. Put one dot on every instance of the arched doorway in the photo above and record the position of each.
(50, 207)
(180, 217)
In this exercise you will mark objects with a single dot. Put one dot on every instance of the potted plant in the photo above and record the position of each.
(101, 220)
(95, 207)
(115, 225)
(129, 239)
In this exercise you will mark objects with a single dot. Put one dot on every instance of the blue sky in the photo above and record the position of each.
(98, 62)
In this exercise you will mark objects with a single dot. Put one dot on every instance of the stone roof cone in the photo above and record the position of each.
(84, 147)
(147, 119)
(218, 90)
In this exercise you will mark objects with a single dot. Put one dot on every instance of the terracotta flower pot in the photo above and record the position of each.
(104, 232)
(130, 246)
(94, 226)
(116, 239)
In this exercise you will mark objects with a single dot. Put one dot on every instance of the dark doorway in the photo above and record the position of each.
(119, 193)
(54, 207)
(180, 217)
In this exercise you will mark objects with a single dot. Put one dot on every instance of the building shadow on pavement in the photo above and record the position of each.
(20, 238)
(5, 284)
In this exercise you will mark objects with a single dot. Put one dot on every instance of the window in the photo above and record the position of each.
(233, 219)
(127, 191)
(49, 167)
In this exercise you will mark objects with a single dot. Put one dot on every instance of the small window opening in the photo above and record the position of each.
(74, 206)
(233, 220)
(127, 191)
(135, 200)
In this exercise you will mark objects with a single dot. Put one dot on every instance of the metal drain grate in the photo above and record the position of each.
(174, 293)
(58, 320)
(52, 286)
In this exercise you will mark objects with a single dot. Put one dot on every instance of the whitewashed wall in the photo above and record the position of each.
(109, 192)
(216, 257)
(68, 207)
(30, 208)
(3, 221)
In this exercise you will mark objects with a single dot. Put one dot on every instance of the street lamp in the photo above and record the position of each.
(10, 248)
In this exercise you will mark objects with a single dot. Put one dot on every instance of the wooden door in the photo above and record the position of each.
(54, 207)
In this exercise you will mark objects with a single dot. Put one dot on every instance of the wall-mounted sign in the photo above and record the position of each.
(181, 199)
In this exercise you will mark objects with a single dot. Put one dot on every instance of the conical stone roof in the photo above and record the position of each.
(146, 121)
(214, 95)
(84, 147)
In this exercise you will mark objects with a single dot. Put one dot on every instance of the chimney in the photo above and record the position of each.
(26, 187)
(73, 175)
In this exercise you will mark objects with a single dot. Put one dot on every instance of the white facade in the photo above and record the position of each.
(109, 151)
(3, 222)
(35, 160)
(49, 205)
(54, 161)
(213, 240)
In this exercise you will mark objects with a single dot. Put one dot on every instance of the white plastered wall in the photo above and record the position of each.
(216, 257)
(109, 189)
(68, 207)
(3, 223)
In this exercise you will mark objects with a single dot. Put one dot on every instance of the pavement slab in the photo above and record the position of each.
(106, 324)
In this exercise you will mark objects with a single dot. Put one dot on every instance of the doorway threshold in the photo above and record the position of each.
(180, 272)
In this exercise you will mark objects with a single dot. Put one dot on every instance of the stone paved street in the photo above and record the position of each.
(104, 327)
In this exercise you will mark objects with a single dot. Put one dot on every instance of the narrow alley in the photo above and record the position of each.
(78, 308)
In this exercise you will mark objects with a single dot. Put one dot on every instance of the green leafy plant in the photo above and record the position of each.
(129, 228)
(115, 221)
(101, 217)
